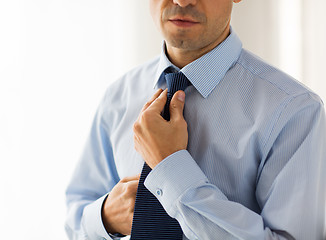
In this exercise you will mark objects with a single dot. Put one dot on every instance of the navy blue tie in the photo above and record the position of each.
(150, 221)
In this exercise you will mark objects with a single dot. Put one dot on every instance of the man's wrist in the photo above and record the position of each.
(112, 235)
(173, 176)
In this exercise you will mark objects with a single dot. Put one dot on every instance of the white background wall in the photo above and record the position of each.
(58, 56)
(289, 34)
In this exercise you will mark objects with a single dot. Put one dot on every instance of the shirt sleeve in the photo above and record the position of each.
(290, 187)
(94, 176)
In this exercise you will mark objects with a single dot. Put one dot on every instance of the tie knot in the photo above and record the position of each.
(175, 82)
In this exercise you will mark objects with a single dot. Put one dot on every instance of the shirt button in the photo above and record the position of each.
(159, 192)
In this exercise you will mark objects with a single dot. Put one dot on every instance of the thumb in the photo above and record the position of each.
(177, 105)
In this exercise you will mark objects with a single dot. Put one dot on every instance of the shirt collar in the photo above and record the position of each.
(207, 71)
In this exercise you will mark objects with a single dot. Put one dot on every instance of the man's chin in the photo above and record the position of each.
(182, 43)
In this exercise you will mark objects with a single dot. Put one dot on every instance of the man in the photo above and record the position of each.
(242, 156)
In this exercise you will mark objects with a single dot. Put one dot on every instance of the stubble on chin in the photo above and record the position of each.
(182, 38)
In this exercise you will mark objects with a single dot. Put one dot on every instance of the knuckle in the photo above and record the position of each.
(125, 179)
(128, 187)
(146, 114)
(181, 121)
(146, 117)
(173, 105)
(130, 190)
(136, 127)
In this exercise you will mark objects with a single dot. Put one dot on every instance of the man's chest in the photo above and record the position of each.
(223, 143)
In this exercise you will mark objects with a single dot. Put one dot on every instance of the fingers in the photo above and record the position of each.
(131, 189)
(130, 186)
(177, 105)
(118, 208)
(156, 95)
(158, 104)
(130, 178)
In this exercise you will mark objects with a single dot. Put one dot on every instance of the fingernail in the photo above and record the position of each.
(181, 96)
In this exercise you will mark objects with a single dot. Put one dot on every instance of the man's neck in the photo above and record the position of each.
(182, 57)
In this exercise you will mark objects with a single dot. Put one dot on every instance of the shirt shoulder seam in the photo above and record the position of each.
(283, 106)
(254, 72)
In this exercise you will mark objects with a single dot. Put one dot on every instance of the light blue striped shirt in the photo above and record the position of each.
(255, 166)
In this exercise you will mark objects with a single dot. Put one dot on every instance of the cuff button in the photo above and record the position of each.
(159, 192)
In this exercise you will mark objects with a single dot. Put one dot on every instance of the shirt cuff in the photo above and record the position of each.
(92, 220)
(172, 177)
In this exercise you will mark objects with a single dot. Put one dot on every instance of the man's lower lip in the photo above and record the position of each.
(180, 23)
